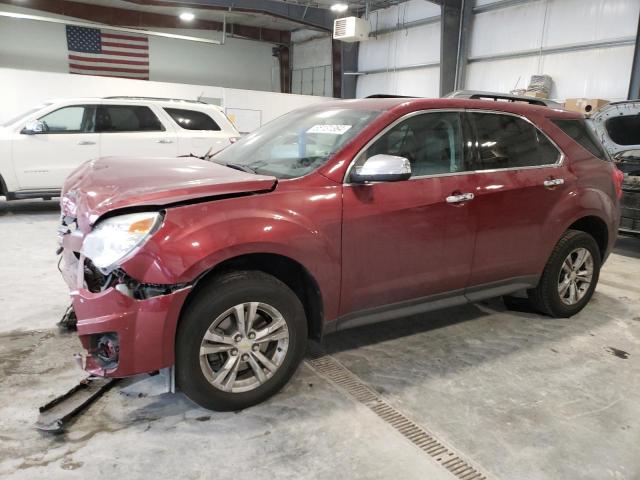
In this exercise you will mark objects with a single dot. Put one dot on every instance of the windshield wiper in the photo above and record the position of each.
(238, 166)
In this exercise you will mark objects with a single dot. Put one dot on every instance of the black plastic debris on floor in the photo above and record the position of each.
(618, 353)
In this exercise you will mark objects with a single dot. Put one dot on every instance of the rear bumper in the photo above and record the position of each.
(145, 329)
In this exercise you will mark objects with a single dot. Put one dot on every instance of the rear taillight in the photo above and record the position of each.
(618, 178)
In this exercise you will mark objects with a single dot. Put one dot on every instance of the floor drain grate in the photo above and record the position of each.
(334, 371)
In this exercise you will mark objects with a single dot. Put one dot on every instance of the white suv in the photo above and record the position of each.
(41, 147)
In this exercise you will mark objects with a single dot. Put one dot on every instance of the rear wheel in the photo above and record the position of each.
(570, 276)
(239, 341)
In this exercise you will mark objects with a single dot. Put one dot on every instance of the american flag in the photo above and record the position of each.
(94, 52)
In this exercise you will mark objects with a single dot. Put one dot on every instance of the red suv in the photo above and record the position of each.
(330, 217)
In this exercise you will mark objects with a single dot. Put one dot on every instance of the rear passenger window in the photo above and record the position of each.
(127, 118)
(432, 142)
(507, 141)
(581, 133)
(192, 120)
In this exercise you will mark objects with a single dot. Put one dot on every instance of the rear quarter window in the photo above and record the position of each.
(579, 131)
(192, 119)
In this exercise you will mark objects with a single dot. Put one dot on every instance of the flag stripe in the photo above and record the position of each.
(112, 74)
(78, 58)
(107, 69)
(128, 54)
(125, 45)
(125, 37)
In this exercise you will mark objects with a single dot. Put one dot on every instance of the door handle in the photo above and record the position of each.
(552, 182)
(86, 142)
(461, 197)
(164, 140)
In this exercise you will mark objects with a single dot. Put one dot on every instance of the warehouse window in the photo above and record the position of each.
(432, 142)
(581, 133)
(192, 120)
(127, 118)
(506, 141)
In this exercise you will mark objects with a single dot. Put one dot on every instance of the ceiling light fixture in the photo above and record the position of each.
(187, 16)
(339, 7)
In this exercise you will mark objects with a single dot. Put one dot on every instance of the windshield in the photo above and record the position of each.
(23, 115)
(296, 143)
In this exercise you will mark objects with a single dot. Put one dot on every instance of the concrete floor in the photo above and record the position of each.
(520, 395)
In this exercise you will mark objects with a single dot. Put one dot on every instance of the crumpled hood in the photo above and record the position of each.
(111, 183)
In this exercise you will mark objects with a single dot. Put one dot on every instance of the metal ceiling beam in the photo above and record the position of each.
(319, 18)
(449, 3)
(120, 17)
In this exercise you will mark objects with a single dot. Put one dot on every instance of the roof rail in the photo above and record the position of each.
(158, 99)
(384, 95)
(505, 97)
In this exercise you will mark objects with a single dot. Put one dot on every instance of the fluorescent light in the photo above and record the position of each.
(187, 16)
(339, 7)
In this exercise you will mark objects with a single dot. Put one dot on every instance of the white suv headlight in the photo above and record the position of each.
(115, 238)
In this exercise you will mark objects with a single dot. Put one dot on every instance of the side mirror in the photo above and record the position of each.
(382, 168)
(33, 127)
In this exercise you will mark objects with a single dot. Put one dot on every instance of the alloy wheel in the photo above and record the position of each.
(575, 276)
(244, 347)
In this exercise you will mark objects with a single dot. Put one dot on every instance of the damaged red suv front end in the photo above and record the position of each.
(127, 310)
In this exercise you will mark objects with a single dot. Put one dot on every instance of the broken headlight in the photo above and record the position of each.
(115, 238)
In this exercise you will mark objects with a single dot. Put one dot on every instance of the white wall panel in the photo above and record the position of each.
(411, 46)
(602, 73)
(500, 75)
(311, 53)
(578, 21)
(405, 12)
(405, 47)
(423, 82)
(599, 73)
(507, 29)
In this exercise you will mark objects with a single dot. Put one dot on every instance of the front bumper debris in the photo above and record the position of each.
(55, 415)
(123, 335)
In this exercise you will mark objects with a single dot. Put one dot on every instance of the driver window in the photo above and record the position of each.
(432, 142)
(73, 119)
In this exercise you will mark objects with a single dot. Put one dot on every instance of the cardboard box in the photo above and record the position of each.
(584, 105)
(529, 93)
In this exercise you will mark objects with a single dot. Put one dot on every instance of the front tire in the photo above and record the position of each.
(239, 341)
(570, 276)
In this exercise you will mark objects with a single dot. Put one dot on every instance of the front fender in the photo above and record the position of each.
(195, 238)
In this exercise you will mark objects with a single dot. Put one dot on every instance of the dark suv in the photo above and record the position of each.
(334, 216)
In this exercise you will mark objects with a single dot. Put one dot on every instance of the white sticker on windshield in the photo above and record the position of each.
(331, 129)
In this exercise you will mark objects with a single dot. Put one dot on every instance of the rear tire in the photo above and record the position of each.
(570, 276)
(256, 330)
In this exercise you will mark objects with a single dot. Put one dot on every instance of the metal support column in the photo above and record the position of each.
(282, 53)
(347, 83)
(449, 41)
(634, 84)
(463, 44)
